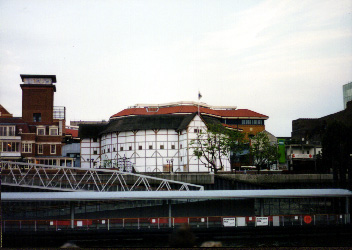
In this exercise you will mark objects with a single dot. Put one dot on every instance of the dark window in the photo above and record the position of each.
(130, 148)
(121, 148)
(150, 146)
(161, 146)
(95, 139)
(37, 117)
(95, 152)
(140, 147)
(172, 146)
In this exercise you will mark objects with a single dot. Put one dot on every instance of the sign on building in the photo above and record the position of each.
(262, 221)
(229, 222)
(301, 156)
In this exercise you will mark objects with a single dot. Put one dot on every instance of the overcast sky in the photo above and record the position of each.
(284, 59)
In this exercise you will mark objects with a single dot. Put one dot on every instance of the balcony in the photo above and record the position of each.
(59, 113)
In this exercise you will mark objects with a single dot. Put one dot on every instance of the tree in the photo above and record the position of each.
(262, 150)
(214, 145)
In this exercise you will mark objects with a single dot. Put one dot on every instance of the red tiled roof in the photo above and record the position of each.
(4, 112)
(72, 132)
(240, 113)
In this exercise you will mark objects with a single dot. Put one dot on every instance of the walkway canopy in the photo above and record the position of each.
(172, 195)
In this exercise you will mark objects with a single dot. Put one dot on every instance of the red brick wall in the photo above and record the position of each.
(37, 100)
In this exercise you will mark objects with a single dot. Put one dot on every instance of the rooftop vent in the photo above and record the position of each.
(152, 109)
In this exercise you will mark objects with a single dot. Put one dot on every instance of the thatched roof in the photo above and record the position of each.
(142, 122)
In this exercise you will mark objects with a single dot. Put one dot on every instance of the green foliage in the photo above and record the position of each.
(215, 144)
(263, 151)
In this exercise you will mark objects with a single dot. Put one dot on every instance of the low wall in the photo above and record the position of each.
(277, 178)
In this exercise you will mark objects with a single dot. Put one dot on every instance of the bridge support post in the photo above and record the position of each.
(169, 201)
(72, 213)
(348, 218)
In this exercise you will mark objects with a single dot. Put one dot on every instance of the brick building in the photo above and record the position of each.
(36, 137)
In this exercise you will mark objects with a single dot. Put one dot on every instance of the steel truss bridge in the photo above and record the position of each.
(72, 179)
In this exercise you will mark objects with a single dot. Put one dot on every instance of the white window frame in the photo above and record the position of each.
(14, 146)
(51, 147)
(40, 149)
(26, 147)
(56, 129)
(40, 128)
(7, 132)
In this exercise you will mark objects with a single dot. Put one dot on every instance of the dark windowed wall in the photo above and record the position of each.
(243, 121)
(180, 208)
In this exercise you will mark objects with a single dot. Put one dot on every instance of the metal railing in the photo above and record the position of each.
(59, 112)
(171, 222)
(79, 179)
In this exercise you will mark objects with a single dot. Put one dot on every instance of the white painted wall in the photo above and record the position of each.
(148, 150)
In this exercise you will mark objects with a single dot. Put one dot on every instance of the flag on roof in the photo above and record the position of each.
(199, 95)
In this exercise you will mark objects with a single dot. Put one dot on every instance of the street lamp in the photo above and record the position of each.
(124, 163)
(170, 164)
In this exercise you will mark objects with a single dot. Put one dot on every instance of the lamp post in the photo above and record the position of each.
(124, 163)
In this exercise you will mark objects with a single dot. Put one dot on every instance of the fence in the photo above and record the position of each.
(171, 222)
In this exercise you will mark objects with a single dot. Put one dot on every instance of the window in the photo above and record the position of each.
(161, 146)
(7, 130)
(140, 147)
(197, 130)
(121, 148)
(26, 148)
(37, 117)
(95, 152)
(130, 148)
(108, 150)
(114, 149)
(52, 149)
(180, 145)
(150, 146)
(11, 131)
(40, 148)
(7, 146)
(95, 140)
(173, 146)
(3, 131)
(53, 131)
(41, 131)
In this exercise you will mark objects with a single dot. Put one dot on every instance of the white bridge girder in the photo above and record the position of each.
(77, 179)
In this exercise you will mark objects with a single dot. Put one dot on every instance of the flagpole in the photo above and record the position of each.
(199, 96)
